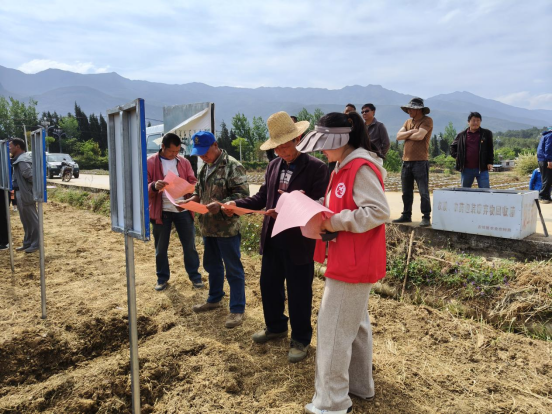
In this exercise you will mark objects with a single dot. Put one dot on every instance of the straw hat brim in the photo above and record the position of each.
(425, 109)
(273, 142)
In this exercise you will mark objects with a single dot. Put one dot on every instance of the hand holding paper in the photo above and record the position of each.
(240, 211)
(295, 209)
(177, 186)
(188, 205)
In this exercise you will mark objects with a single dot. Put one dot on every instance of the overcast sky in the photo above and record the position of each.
(499, 49)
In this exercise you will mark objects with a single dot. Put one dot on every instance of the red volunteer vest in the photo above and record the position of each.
(352, 257)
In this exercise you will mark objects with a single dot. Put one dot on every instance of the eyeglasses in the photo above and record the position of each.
(366, 111)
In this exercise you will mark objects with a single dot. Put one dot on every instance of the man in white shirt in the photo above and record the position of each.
(163, 213)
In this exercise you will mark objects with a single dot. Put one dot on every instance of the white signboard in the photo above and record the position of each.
(509, 214)
(128, 170)
(38, 145)
(5, 166)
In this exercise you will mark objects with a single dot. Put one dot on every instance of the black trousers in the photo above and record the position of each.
(546, 176)
(415, 171)
(277, 268)
(3, 219)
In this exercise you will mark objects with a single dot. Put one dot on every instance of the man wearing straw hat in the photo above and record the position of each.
(287, 257)
(416, 133)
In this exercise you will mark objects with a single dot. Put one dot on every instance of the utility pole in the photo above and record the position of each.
(25, 133)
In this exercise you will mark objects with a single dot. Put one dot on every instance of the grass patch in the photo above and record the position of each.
(96, 202)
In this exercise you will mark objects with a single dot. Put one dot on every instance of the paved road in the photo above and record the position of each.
(394, 198)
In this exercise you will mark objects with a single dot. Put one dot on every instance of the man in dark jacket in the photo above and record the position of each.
(287, 257)
(23, 179)
(473, 150)
(544, 157)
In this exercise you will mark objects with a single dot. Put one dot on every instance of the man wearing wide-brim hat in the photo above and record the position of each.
(287, 257)
(416, 133)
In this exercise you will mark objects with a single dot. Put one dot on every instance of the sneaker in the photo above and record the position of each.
(205, 307)
(4, 246)
(234, 319)
(544, 201)
(161, 286)
(425, 222)
(264, 336)
(297, 351)
(403, 219)
(30, 249)
(21, 248)
(311, 409)
(198, 285)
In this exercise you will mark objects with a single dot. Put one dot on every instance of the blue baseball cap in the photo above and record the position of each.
(202, 141)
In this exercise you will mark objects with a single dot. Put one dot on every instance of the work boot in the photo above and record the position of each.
(234, 319)
(297, 351)
(198, 285)
(264, 336)
(403, 219)
(205, 307)
(311, 409)
(425, 222)
(161, 286)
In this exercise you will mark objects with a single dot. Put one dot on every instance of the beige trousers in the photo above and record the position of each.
(344, 347)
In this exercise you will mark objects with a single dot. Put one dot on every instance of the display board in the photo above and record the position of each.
(38, 146)
(511, 214)
(128, 170)
(5, 166)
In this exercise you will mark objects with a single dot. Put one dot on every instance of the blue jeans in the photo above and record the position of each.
(469, 174)
(227, 250)
(184, 224)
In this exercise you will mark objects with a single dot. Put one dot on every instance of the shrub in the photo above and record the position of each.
(526, 163)
(393, 162)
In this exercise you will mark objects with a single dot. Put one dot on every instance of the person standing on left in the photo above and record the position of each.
(221, 179)
(23, 179)
(163, 214)
(473, 150)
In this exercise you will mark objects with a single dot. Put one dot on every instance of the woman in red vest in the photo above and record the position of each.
(356, 259)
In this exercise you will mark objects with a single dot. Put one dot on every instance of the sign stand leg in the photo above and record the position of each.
(132, 324)
(41, 249)
(7, 201)
(542, 218)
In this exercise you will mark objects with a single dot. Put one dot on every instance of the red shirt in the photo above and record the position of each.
(472, 149)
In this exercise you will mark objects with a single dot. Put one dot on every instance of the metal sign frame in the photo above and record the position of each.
(5, 166)
(38, 147)
(6, 185)
(128, 170)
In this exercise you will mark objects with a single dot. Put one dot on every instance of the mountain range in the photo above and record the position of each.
(58, 90)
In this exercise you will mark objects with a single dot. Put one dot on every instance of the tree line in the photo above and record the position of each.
(84, 137)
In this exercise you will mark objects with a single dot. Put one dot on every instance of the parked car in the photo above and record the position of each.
(53, 164)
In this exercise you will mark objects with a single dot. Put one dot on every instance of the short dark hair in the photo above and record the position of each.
(351, 105)
(171, 139)
(19, 143)
(294, 118)
(369, 105)
(358, 136)
(474, 114)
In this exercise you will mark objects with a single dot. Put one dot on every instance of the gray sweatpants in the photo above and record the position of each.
(29, 219)
(344, 346)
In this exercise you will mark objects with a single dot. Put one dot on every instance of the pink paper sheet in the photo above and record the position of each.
(295, 209)
(177, 186)
(240, 211)
(190, 205)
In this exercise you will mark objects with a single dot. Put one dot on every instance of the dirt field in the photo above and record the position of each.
(78, 360)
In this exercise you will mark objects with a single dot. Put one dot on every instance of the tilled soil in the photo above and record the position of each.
(77, 360)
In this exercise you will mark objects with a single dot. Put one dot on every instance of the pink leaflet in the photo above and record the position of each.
(177, 186)
(295, 209)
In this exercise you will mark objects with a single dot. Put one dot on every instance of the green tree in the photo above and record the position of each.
(102, 142)
(243, 147)
(7, 126)
(434, 147)
(260, 135)
(84, 126)
(70, 126)
(392, 161)
(241, 127)
(49, 141)
(224, 141)
(318, 113)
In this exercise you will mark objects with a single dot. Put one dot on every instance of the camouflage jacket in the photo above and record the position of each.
(227, 181)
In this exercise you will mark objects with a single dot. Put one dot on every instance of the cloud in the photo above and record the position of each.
(38, 65)
(525, 99)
